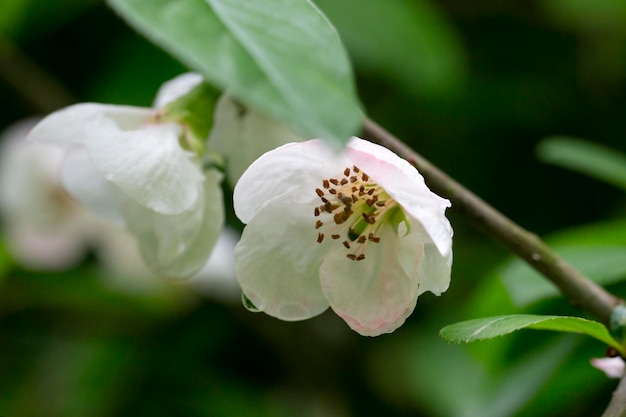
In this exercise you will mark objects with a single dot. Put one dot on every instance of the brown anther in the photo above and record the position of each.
(346, 200)
(361, 239)
(360, 257)
(318, 224)
(339, 218)
(380, 203)
(362, 189)
(365, 177)
(353, 179)
(371, 219)
(320, 237)
(319, 192)
(346, 172)
(334, 181)
(351, 256)
(346, 244)
(347, 212)
(354, 189)
(344, 181)
(329, 208)
(325, 183)
(324, 200)
(374, 199)
(355, 169)
(372, 191)
(317, 211)
(369, 202)
(373, 238)
(335, 236)
(354, 198)
(332, 191)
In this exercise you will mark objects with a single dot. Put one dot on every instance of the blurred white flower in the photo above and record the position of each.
(135, 166)
(359, 231)
(43, 228)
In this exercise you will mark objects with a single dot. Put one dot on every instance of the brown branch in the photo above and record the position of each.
(573, 284)
(617, 405)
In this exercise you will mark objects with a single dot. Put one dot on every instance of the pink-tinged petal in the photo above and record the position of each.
(405, 185)
(77, 123)
(612, 367)
(178, 246)
(377, 294)
(298, 167)
(150, 166)
(175, 88)
(277, 262)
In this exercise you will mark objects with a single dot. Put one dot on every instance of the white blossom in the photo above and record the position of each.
(358, 231)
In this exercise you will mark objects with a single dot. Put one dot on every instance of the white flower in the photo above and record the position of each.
(359, 232)
(43, 228)
(612, 367)
(128, 165)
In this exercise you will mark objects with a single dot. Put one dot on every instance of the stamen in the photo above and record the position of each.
(361, 239)
(360, 257)
(320, 237)
(344, 181)
(354, 198)
(317, 211)
(351, 256)
(371, 191)
(346, 244)
(346, 172)
(339, 218)
(334, 181)
(333, 191)
(318, 224)
(365, 177)
(355, 169)
(335, 236)
(353, 179)
(325, 184)
(319, 192)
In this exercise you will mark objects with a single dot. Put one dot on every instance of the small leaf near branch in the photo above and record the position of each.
(490, 327)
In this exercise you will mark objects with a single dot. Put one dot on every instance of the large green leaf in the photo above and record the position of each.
(282, 57)
(597, 250)
(585, 157)
(490, 327)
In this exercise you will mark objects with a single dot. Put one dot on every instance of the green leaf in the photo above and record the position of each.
(281, 57)
(597, 250)
(490, 327)
(585, 157)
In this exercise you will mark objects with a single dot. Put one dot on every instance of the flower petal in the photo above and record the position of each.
(612, 367)
(175, 88)
(375, 295)
(277, 262)
(149, 165)
(87, 186)
(178, 246)
(243, 134)
(75, 124)
(296, 167)
(405, 185)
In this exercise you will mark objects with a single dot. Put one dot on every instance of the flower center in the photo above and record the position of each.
(352, 212)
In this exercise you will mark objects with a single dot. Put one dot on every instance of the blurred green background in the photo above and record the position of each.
(474, 87)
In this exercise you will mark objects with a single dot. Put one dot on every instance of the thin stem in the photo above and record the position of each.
(573, 284)
(617, 406)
